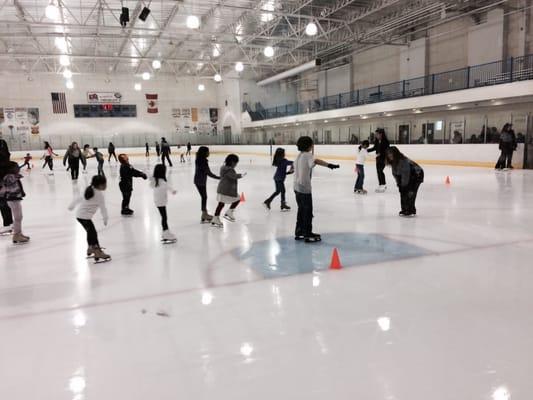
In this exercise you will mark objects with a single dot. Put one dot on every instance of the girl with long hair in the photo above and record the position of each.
(281, 163)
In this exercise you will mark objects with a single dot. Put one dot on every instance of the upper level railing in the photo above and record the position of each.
(494, 73)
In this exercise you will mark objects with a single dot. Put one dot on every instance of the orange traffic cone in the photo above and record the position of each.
(335, 260)
(447, 181)
(243, 199)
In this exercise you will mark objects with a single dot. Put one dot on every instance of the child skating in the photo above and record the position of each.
(161, 189)
(201, 172)
(281, 164)
(127, 173)
(92, 200)
(27, 160)
(12, 192)
(99, 160)
(303, 170)
(362, 153)
(227, 192)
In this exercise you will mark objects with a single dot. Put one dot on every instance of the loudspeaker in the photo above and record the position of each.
(144, 14)
(124, 16)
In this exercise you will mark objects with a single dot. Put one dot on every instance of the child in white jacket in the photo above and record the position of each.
(161, 188)
(360, 167)
(92, 200)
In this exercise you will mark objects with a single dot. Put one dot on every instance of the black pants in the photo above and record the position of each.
(101, 168)
(304, 219)
(147, 154)
(408, 198)
(74, 168)
(380, 166)
(92, 236)
(48, 160)
(112, 154)
(221, 206)
(126, 197)
(165, 155)
(280, 189)
(506, 158)
(7, 217)
(163, 212)
(158, 152)
(203, 194)
(26, 164)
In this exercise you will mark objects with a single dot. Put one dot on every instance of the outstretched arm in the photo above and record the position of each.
(323, 163)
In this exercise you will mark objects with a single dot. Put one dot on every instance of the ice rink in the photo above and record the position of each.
(432, 308)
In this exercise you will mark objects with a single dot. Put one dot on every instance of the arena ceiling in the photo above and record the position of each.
(230, 31)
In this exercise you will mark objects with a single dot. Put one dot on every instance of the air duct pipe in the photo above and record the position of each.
(290, 72)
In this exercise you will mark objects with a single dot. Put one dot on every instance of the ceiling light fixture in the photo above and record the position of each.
(201, 87)
(239, 67)
(216, 50)
(156, 64)
(193, 22)
(70, 84)
(137, 87)
(64, 60)
(268, 51)
(67, 73)
(311, 29)
(51, 11)
(146, 76)
(217, 77)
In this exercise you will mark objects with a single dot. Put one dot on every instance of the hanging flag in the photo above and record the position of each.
(59, 103)
(151, 100)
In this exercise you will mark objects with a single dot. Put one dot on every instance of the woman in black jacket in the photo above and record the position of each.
(381, 144)
(7, 216)
(74, 155)
(201, 173)
(127, 173)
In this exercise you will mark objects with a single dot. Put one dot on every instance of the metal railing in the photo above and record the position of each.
(494, 73)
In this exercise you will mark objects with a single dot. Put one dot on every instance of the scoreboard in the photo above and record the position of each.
(104, 110)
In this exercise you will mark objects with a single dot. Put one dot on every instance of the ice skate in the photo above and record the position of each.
(90, 252)
(312, 238)
(206, 218)
(216, 222)
(266, 203)
(360, 191)
(229, 215)
(19, 238)
(126, 212)
(285, 207)
(168, 237)
(99, 255)
(381, 189)
(6, 230)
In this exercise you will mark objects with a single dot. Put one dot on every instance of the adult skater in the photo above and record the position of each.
(201, 173)
(507, 146)
(157, 149)
(127, 173)
(7, 217)
(147, 147)
(408, 175)
(111, 152)
(165, 152)
(49, 157)
(189, 148)
(74, 155)
(303, 170)
(281, 164)
(381, 144)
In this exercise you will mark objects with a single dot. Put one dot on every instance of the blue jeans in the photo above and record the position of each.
(360, 177)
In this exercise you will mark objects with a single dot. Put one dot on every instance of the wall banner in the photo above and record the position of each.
(104, 97)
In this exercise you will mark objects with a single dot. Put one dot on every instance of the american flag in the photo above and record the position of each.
(59, 103)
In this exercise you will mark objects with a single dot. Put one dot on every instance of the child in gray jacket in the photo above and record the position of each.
(227, 192)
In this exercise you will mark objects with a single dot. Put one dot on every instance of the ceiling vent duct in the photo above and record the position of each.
(290, 72)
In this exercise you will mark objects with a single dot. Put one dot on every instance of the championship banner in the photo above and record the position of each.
(151, 101)
(104, 97)
(19, 122)
(213, 117)
(204, 124)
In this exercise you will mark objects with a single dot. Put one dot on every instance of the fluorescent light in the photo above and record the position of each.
(52, 11)
(137, 87)
(216, 50)
(64, 60)
(193, 22)
(239, 67)
(268, 51)
(311, 29)
(146, 76)
(217, 77)
(326, 121)
(201, 87)
(70, 84)
(156, 64)
(67, 73)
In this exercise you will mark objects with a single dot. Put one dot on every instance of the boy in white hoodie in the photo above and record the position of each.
(161, 188)
(360, 167)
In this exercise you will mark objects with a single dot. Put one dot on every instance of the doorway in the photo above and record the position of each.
(227, 135)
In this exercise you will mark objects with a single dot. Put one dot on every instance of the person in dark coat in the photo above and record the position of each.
(165, 152)
(409, 176)
(381, 144)
(111, 152)
(127, 173)
(202, 171)
(74, 155)
(507, 147)
(7, 216)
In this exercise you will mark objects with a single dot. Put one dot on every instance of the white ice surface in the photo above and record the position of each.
(453, 324)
